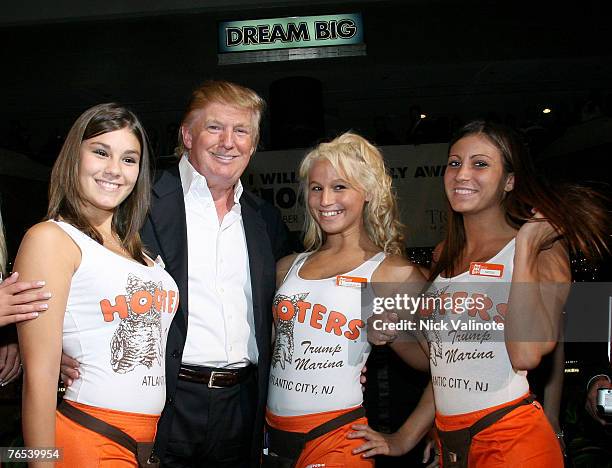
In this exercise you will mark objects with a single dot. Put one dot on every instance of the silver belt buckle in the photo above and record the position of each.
(211, 380)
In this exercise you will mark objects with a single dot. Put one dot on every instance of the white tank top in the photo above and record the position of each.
(320, 345)
(116, 324)
(471, 369)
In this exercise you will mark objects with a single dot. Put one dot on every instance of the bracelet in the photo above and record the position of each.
(559, 434)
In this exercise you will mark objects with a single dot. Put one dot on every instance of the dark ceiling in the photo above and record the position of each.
(452, 59)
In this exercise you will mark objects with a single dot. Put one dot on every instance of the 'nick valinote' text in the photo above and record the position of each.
(437, 325)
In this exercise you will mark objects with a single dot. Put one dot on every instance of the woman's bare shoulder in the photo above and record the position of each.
(286, 262)
(45, 232)
(435, 255)
(283, 266)
(396, 268)
(49, 241)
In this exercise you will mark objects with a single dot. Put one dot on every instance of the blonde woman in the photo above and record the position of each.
(353, 237)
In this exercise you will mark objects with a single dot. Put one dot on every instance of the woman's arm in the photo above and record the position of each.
(554, 387)
(19, 300)
(540, 285)
(412, 353)
(10, 362)
(45, 252)
(405, 438)
(397, 276)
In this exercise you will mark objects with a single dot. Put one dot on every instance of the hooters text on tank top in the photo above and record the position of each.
(320, 346)
(470, 366)
(116, 323)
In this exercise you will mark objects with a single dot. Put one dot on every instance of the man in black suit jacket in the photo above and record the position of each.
(219, 134)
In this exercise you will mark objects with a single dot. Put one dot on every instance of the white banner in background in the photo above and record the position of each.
(417, 173)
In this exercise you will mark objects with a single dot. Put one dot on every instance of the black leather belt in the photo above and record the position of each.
(214, 377)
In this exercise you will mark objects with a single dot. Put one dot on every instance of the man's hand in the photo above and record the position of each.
(10, 363)
(378, 337)
(591, 399)
(430, 452)
(363, 379)
(69, 370)
(19, 301)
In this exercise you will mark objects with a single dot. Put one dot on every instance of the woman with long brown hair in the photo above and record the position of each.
(500, 279)
(111, 305)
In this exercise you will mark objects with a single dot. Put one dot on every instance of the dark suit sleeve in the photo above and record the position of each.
(149, 239)
(277, 232)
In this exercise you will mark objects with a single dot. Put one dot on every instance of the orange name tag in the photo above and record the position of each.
(486, 269)
(350, 281)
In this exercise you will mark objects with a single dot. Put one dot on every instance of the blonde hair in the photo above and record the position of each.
(3, 253)
(222, 92)
(363, 166)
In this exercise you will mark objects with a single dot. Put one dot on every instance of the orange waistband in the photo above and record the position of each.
(460, 421)
(302, 423)
(141, 427)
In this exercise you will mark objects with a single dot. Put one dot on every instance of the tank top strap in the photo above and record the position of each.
(298, 261)
(81, 239)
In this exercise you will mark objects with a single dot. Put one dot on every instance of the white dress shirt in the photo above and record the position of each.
(220, 330)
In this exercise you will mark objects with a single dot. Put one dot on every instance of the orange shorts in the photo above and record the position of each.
(85, 448)
(331, 450)
(522, 438)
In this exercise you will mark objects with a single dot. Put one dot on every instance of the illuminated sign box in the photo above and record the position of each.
(269, 39)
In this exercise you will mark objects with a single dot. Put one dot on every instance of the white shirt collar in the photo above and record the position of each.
(190, 177)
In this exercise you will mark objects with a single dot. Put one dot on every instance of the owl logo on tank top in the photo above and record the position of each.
(137, 340)
(283, 344)
(435, 341)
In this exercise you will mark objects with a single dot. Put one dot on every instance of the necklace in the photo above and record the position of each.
(114, 240)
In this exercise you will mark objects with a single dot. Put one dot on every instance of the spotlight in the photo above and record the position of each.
(546, 110)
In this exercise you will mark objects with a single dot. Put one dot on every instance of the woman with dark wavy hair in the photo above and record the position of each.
(502, 273)
(111, 305)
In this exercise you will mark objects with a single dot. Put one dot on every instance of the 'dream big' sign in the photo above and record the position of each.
(289, 33)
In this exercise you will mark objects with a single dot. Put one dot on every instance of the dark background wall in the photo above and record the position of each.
(450, 60)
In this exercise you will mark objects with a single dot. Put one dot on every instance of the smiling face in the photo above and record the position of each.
(475, 179)
(108, 170)
(220, 141)
(335, 204)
